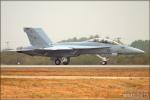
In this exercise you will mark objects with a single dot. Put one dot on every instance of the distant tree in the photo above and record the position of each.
(96, 36)
(82, 39)
(141, 44)
(91, 37)
(118, 39)
(74, 39)
(107, 37)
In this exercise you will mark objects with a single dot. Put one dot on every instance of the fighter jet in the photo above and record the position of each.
(41, 45)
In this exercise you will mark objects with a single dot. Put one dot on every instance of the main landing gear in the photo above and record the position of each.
(104, 60)
(57, 61)
(64, 60)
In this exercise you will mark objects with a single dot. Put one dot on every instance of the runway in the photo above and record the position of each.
(71, 77)
(70, 66)
(72, 99)
(75, 82)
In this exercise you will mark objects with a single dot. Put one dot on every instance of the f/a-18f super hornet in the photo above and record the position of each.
(41, 45)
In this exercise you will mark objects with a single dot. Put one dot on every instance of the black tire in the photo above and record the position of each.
(57, 62)
(67, 62)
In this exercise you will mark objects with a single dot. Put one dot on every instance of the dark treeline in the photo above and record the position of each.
(13, 57)
(143, 45)
(75, 39)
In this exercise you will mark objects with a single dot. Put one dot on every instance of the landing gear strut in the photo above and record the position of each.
(104, 60)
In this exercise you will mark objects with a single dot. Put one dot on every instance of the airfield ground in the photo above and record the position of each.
(128, 82)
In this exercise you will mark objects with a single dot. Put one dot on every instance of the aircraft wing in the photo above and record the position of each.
(72, 47)
(60, 47)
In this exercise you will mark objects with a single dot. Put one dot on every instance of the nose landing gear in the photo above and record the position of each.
(104, 60)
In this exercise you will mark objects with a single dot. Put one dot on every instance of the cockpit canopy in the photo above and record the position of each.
(101, 40)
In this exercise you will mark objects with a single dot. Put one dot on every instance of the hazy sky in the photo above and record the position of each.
(67, 19)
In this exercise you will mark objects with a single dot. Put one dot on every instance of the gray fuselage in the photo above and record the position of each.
(110, 49)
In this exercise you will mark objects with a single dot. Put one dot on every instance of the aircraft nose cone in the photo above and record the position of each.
(140, 51)
(136, 51)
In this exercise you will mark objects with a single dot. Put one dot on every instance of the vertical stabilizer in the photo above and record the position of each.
(37, 37)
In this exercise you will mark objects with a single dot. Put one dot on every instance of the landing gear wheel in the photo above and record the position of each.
(67, 61)
(104, 62)
(57, 62)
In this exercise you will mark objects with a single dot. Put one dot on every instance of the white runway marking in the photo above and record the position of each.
(70, 77)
